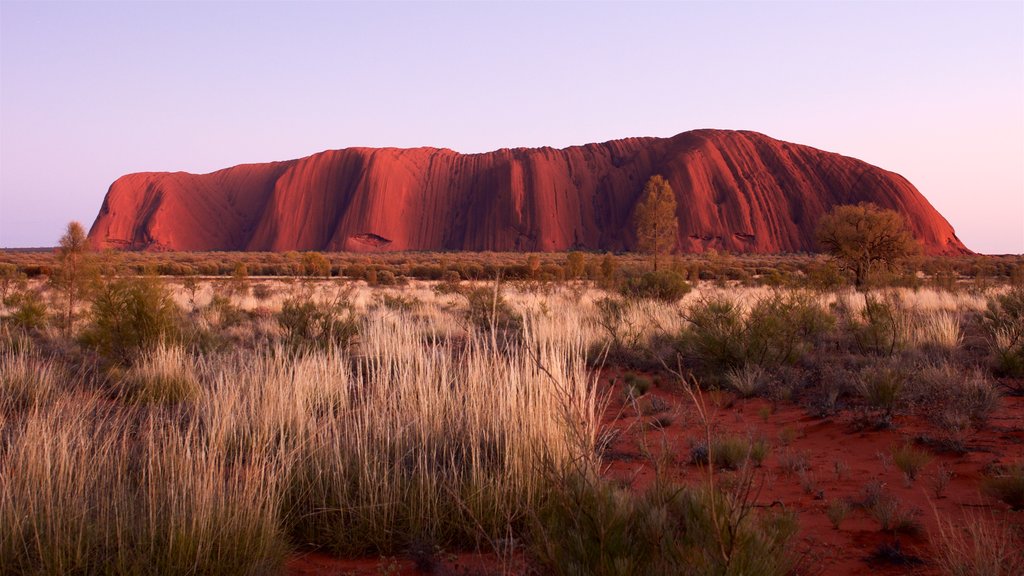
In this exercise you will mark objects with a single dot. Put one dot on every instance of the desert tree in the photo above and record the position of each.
(863, 237)
(657, 228)
(76, 274)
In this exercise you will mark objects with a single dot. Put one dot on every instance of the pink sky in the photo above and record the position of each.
(91, 91)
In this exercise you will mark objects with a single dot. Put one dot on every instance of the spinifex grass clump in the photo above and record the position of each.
(163, 375)
(88, 492)
(412, 442)
(27, 379)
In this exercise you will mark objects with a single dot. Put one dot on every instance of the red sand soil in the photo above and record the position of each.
(737, 190)
(825, 550)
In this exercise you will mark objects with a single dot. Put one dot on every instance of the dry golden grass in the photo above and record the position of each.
(426, 429)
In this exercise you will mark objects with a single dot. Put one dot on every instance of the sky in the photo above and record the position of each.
(90, 91)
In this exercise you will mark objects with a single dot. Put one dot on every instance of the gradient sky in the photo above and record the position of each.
(91, 91)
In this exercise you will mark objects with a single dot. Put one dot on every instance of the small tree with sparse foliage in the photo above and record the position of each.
(863, 237)
(657, 228)
(77, 274)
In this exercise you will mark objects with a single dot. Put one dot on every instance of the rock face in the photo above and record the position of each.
(737, 191)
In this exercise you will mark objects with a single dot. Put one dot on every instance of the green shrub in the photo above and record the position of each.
(882, 389)
(490, 312)
(30, 311)
(309, 323)
(664, 285)
(591, 527)
(778, 329)
(131, 314)
(730, 452)
(880, 327)
(1004, 321)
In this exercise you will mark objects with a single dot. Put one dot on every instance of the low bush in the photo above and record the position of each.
(879, 329)
(882, 388)
(1004, 321)
(131, 314)
(30, 310)
(317, 324)
(952, 396)
(777, 330)
(591, 527)
(730, 452)
(491, 313)
(837, 511)
(664, 285)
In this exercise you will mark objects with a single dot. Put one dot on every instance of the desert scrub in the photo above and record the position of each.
(747, 381)
(30, 312)
(721, 336)
(490, 312)
(950, 395)
(881, 387)
(588, 526)
(910, 460)
(306, 322)
(882, 325)
(435, 447)
(1004, 320)
(664, 285)
(163, 375)
(1007, 486)
(730, 452)
(130, 314)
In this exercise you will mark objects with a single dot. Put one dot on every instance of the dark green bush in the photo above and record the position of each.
(664, 285)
